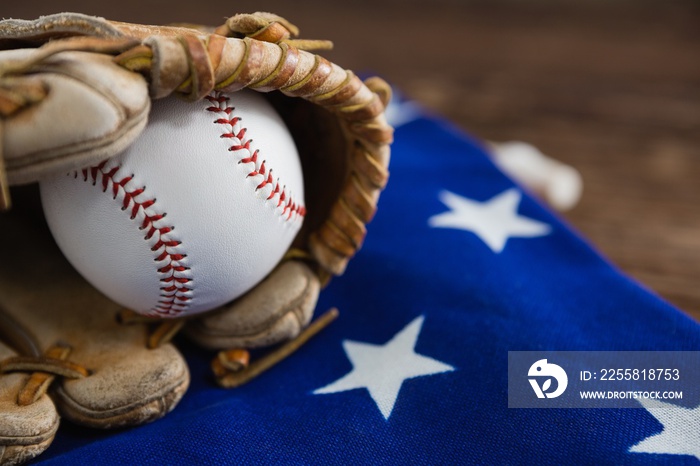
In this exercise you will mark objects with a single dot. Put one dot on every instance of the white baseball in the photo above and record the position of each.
(197, 211)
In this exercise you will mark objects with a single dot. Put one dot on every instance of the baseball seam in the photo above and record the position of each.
(287, 206)
(175, 278)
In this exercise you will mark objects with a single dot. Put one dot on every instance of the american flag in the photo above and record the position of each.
(460, 266)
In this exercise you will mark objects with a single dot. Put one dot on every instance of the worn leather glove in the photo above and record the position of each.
(76, 89)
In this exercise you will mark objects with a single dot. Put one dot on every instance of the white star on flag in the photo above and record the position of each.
(493, 221)
(681, 434)
(382, 369)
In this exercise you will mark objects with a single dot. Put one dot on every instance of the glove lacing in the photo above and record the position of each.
(43, 368)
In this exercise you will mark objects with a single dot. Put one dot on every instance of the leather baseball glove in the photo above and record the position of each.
(76, 90)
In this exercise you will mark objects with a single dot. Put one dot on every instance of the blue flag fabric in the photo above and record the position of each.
(459, 267)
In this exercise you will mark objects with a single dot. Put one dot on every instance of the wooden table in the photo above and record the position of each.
(612, 88)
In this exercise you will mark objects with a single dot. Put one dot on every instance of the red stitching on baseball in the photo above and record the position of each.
(178, 283)
(173, 292)
(220, 104)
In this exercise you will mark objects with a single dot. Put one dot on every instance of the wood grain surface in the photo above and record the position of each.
(612, 88)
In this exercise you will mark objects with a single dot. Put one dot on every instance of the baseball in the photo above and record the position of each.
(197, 211)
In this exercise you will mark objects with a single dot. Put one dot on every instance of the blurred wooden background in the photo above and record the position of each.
(610, 87)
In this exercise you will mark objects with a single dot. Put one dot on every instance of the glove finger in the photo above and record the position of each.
(275, 310)
(90, 109)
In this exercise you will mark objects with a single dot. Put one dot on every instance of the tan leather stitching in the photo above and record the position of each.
(44, 370)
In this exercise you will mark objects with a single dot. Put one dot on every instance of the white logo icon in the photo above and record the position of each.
(542, 368)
